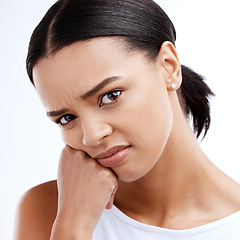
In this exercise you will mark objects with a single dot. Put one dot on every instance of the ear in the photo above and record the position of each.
(168, 59)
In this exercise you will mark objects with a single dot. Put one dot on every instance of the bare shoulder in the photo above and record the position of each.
(36, 212)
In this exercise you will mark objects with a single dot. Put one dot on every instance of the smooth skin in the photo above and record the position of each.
(166, 180)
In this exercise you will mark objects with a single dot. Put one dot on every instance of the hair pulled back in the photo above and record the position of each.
(143, 26)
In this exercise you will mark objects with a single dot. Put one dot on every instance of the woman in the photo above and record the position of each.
(108, 74)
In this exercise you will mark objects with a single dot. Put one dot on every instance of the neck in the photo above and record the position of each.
(183, 179)
(178, 170)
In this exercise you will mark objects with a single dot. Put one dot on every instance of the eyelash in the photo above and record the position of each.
(73, 117)
(118, 91)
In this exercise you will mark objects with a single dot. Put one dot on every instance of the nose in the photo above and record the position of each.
(95, 131)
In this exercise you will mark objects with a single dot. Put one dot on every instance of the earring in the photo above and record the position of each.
(173, 86)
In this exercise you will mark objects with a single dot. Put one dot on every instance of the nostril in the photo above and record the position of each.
(94, 132)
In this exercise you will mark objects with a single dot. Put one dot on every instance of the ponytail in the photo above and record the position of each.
(194, 98)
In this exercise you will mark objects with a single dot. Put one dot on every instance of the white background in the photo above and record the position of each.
(208, 38)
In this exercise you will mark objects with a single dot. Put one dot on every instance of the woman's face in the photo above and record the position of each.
(103, 97)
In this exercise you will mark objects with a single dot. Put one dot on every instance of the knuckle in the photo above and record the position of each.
(66, 151)
(92, 164)
(107, 175)
(70, 153)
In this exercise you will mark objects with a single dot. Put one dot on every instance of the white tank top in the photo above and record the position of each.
(115, 225)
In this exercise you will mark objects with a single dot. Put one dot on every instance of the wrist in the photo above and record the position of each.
(66, 228)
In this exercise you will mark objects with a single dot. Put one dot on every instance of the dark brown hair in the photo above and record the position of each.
(142, 24)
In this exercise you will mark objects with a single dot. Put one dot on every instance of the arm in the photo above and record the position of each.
(36, 212)
(84, 191)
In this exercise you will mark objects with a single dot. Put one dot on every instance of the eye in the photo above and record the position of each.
(110, 97)
(65, 119)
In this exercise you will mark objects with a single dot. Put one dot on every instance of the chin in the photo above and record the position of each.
(128, 179)
(130, 176)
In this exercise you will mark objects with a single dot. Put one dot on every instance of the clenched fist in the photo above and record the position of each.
(85, 189)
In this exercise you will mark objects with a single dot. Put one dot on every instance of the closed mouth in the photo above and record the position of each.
(113, 156)
(111, 152)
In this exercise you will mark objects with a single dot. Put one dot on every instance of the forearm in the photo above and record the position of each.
(85, 189)
(64, 228)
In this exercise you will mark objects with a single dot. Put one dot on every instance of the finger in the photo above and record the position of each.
(111, 199)
(110, 204)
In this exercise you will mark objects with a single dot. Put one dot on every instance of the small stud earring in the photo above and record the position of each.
(173, 86)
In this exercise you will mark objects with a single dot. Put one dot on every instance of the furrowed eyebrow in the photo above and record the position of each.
(88, 94)
(99, 86)
(56, 113)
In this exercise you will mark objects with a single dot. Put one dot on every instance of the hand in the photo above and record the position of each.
(85, 189)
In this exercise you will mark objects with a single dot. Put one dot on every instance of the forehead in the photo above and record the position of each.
(81, 66)
(80, 54)
(94, 55)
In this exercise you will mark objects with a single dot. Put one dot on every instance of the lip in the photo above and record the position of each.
(113, 156)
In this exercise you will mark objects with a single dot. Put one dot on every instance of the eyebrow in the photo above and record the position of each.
(91, 92)
(56, 113)
(99, 86)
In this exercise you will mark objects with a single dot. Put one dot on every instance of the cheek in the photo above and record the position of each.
(72, 138)
(160, 121)
(148, 118)
(148, 129)
(153, 130)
